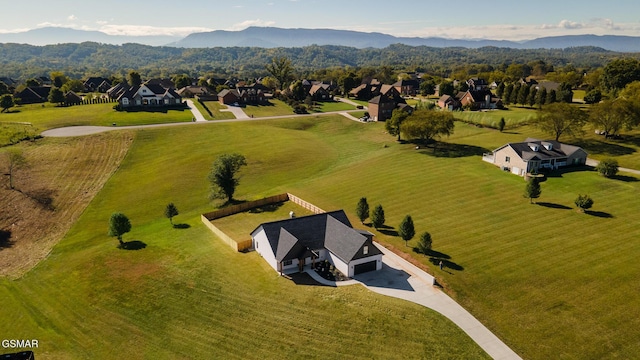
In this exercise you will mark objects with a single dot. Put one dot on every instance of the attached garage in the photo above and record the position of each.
(365, 267)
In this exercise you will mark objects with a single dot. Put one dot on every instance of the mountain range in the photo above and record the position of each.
(272, 37)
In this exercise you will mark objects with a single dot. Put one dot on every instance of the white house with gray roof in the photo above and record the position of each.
(290, 245)
(534, 155)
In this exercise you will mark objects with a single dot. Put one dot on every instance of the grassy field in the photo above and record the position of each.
(185, 294)
(214, 107)
(549, 281)
(239, 226)
(275, 108)
(334, 106)
(513, 117)
(48, 117)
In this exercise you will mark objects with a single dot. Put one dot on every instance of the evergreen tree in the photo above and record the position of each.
(377, 217)
(406, 229)
(425, 243)
(501, 124)
(362, 209)
(170, 211)
(532, 190)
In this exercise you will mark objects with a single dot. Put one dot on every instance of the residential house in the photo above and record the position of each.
(477, 84)
(381, 106)
(229, 96)
(8, 81)
(549, 85)
(149, 95)
(320, 92)
(44, 80)
(479, 100)
(165, 83)
(533, 155)
(292, 245)
(71, 98)
(115, 91)
(97, 84)
(448, 102)
(33, 95)
(527, 81)
(244, 95)
(407, 87)
(193, 91)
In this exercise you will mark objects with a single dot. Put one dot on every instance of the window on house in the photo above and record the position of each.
(507, 159)
(365, 250)
(287, 262)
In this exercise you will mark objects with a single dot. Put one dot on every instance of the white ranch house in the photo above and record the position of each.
(534, 155)
(294, 244)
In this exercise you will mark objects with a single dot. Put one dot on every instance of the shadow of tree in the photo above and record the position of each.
(181, 226)
(388, 232)
(5, 239)
(600, 214)
(594, 146)
(44, 198)
(626, 178)
(450, 150)
(133, 245)
(553, 206)
(266, 208)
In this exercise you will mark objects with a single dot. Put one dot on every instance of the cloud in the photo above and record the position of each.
(567, 24)
(72, 17)
(102, 22)
(247, 23)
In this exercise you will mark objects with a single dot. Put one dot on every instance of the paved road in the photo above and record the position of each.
(401, 279)
(89, 130)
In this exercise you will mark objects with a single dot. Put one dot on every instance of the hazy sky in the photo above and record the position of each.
(493, 19)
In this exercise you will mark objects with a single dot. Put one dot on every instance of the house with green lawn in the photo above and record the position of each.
(295, 244)
(533, 155)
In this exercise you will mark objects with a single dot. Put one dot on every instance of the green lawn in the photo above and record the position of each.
(513, 117)
(214, 107)
(48, 116)
(329, 106)
(549, 281)
(239, 226)
(187, 294)
(275, 108)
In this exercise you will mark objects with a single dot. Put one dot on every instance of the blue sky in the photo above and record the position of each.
(495, 19)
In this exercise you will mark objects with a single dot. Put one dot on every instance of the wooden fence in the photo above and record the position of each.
(234, 209)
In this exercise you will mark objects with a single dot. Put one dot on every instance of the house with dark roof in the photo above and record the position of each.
(448, 102)
(97, 83)
(293, 244)
(33, 94)
(407, 87)
(479, 100)
(533, 155)
(149, 95)
(320, 92)
(477, 84)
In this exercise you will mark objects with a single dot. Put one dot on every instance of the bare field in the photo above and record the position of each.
(61, 178)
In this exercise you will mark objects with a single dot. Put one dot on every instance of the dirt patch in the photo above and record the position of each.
(61, 177)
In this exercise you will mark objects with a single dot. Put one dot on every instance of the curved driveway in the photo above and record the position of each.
(401, 279)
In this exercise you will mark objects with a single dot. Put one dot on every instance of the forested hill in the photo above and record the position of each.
(89, 58)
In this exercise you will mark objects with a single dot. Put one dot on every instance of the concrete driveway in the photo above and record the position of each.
(401, 279)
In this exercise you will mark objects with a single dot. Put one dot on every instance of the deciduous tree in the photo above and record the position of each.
(281, 69)
(501, 124)
(428, 124)
(406, 229)
(170, 211)
(119, 225)
(56, 96)
(223, 175)
(612, 116)
(16, 161)
(393, 124)
(607, 167)
(362, 209)
(584, 202)
(561, 119)
(6, 102)
(134, 78)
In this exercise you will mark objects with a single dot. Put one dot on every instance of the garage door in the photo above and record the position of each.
(364, 267)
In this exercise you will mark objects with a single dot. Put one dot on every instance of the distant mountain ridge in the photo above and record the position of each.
(271, 37)
(60, 35)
